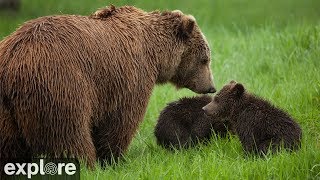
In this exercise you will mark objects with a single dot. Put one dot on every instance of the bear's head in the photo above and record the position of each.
(193, 71)
(225, 100)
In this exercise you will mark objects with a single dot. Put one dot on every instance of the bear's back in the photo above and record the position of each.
(267, 120)
(73, 34)
(186, 109)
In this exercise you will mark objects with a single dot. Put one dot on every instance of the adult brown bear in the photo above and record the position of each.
(79, 85)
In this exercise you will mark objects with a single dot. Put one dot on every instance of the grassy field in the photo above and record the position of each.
(273, 47)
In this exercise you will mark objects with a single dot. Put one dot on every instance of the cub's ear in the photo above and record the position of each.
(187, 26)
(237, 90)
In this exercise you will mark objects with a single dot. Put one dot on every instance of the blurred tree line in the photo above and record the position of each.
(10, 4)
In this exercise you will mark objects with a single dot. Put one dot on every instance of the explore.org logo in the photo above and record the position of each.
(59, 168)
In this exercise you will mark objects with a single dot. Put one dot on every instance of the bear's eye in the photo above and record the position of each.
(204, 61)
(216, 100)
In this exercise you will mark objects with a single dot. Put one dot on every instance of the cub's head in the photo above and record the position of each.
(224, 100)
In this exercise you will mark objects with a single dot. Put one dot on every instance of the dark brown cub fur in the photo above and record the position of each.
(259, 125)
(183, 123)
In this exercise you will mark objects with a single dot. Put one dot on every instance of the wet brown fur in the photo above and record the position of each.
(183, 123)
(79, 85)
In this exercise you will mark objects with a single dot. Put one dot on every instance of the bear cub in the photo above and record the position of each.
(183, 123)
(259, 125)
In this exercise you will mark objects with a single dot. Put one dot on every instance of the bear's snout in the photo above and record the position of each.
(211, 90)
(209, 109)
(206, 110)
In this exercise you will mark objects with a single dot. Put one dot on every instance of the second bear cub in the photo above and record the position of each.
(259, 125)
(183, 123)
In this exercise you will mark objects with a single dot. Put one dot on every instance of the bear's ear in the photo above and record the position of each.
(186, 27)
(237, 90)
(233, 82)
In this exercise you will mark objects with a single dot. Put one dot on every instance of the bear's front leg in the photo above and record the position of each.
(113, 134)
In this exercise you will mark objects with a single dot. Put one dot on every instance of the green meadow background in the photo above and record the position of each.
(271, 46)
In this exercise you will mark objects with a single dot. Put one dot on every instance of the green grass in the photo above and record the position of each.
(273, 47)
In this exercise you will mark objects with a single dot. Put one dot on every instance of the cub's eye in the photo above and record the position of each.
(204, 61)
